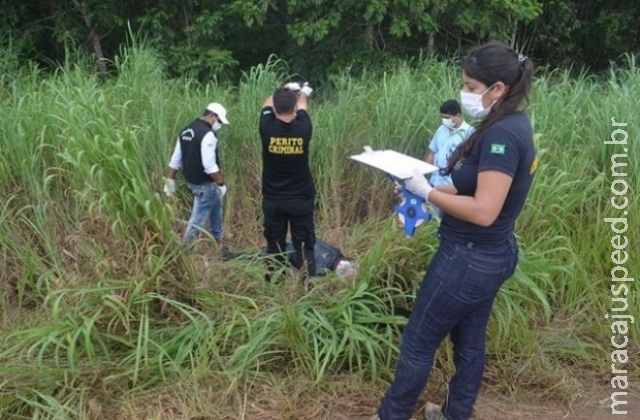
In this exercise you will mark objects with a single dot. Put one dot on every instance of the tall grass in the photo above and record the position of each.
(98, 299)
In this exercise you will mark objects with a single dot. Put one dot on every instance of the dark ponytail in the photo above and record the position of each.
(491, 63)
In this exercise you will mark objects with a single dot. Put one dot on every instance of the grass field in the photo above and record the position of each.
(103, 317)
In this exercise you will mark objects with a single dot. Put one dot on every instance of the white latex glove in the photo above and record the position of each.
(294, 86)
(223, 190)
(306, 89)
(397, 188)
(419, 185)
(169, 186)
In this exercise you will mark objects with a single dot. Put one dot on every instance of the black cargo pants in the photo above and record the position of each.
(279, 217)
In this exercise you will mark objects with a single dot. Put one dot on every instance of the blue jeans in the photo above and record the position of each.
(455, 298)
(207, 205)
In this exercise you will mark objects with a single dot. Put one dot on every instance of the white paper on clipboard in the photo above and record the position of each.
(394, 163)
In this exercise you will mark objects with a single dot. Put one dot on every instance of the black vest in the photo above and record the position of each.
(190, 145)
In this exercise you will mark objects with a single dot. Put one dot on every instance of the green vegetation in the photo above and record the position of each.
(221, 38)
(104, 317)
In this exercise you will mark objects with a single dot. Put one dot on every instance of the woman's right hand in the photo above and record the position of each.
(419, 185)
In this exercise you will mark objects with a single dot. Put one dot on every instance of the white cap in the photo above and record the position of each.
(219, 110)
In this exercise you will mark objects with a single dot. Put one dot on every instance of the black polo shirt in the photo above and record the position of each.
(507, 147)
(285, 156)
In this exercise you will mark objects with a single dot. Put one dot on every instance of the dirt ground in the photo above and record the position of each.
(348, 402)
(492, 407)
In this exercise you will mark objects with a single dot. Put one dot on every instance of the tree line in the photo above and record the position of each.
(202, 38)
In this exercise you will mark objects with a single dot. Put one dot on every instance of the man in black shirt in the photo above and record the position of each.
(288, 190)
(196, 153)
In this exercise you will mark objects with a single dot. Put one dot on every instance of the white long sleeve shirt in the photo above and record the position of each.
(207, 150)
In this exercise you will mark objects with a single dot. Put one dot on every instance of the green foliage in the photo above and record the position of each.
(99, 299)
(203, 64)
(315, 22)
(225, 38)
(9, 59)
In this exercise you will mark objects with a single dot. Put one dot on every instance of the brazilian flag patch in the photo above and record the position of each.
(498, 149)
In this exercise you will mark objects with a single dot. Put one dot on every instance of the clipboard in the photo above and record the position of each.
(396, 164)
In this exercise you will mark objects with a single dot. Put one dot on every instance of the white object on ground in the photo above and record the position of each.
(346, 269)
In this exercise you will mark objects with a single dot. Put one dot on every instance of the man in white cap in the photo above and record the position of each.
(196, 153)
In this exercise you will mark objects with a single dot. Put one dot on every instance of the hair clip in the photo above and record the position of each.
(521, 59)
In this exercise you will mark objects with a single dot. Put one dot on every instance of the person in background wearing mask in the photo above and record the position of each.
(288, 189)
(491, 173)
(453, 131)
(196, 153)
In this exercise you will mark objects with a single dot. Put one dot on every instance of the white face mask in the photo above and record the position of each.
(216, 126)
(472, 102)
(448, 122)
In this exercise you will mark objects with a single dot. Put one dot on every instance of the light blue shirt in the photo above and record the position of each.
(443, 143)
